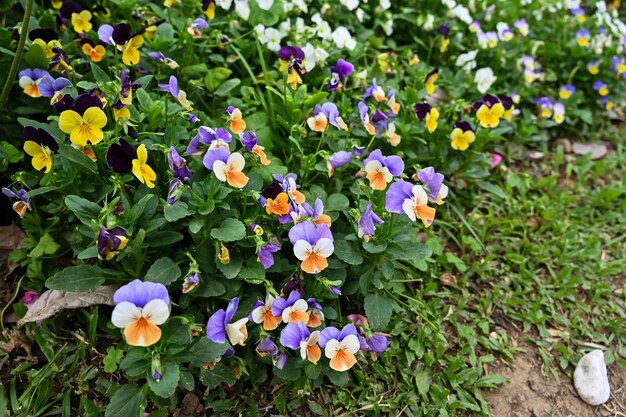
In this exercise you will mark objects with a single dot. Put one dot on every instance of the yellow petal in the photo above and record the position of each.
(142, 154)
(95, 117)
(69, 120)
(130, 56)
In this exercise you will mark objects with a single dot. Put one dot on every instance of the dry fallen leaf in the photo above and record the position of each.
(11, 237)
(53, 301)
(17, 339)
(597, 150)
(448, 280)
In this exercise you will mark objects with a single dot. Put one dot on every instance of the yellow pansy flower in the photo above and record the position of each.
(141, 169)
(85, 128)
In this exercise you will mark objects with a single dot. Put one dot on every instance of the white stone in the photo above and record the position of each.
(591, 380)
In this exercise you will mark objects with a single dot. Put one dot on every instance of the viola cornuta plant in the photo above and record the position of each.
(246, 189)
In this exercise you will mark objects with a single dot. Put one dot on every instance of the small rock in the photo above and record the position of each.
(565, 143)
(597, 150)
(591, 380)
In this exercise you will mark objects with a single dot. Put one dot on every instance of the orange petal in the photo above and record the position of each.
(142, 333)
(324, 219)
(270, 322)
(313, 353)
(237, 179)
(237, 126)
(314, 321)
(377, 180)
(314, 263)
(426, 214)
(299, 316)
(342, 361)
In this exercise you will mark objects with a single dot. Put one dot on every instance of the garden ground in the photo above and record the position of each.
(530, 277)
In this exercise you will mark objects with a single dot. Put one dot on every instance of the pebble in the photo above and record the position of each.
(591, 380)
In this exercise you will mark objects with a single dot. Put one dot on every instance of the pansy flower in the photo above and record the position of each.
(178, 165)
(128, 43)
(462, 135)
(226, 166)
(445, 39)
(559, 113)
(338, 74)
(545, 106)
(267, 347)
(579, 14)
(122, 157)
(489, 110)
(265, 254)
(127, 87)
(367, 223)
(297, 336)
(582, 37)
(84, 120)
(22, 204)
(606, 103)
(593, 67)
(340, 346)
(509, 108)
(430, 80)
(381, 169)
(404, 197)
(196, 28)
(475, 27)
(262, 313)
(618, 65)
(522, 26)
(375, 91)
(208, 7)
(504, 32)
(140, 307)
(159, 56)
(190, 282)
(207, 136)
(39, 145)
(393, 105)
(93, 51)
(111, 242)
(566, 91)
(292, 58)
(29, 80)
(289, 185)
(433, 181)
(365, 118)
(601, 88)
(278, 205)
(249, 140)
(316, 315)
(424, 111)
(46, 39)
(492, 39)
(219, 326)
(312, 245)
(174, 191)
(324, 114)
(293, 309)
(237, 124)
(180, 95)
(53, 88)
(338, 160)
(81, 22)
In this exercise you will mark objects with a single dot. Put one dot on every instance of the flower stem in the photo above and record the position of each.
(18, 54)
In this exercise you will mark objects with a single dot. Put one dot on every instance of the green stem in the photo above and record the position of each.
(18, 54)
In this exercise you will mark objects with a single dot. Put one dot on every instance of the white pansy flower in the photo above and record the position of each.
(242, 8)
(467, 60)
(265, 4)
(224, 4)
(300, 4)
(463, 14)
(360, 14)
(285, 28)
(272, 39)
(484, 78)
(429, 23)
(350, 4)
(388, 27)
(316, 18)
(385, 4)
(343, 39)
(323, 30)
(260, 31)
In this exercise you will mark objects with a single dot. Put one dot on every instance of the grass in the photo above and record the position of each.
(537, 256)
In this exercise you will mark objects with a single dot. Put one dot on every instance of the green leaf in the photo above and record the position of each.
(176, 211)
(112, 359)
(99, 74)
(164, 270)
(46, 246)
(348, 251)
(40, 191)
(164, 238)
(490, 381)
(337, 202)
(409, 251)
(79, 278)
(231, 269)
(253, 271)
(378, 309)
(230, 230)
(137, 210)
(215, 77)
(78, 158)
(423, 381)
(126, 402)
(316, 408)
(493, 189)
(144, 99)
(166, 386)
(340, 379)
(85, 210)
(187, 380)
(225, 88)
(213, 378)
(90, 252)
(36, 57)
(205, 351)
(315, 99)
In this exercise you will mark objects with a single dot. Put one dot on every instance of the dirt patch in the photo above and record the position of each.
(529, 394)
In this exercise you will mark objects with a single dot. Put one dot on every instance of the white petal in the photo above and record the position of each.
(219, 167)
(233, 330)
(332, 346)
(25, 82)
(258, 314)
(324, 247)
(421, 198)
(286, 314)
(300, 305)
(373, 166)
(388, 175)
(302, 249)
(351, 343)
(443, 192)
(303, 346)
(236, 162)
(156, 311)
(314, 338)
(409, 208)
(269, 301)
(124, 314)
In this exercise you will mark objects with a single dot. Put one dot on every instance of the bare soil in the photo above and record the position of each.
(529, 394)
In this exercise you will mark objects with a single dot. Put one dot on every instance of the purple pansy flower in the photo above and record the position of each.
(219, 326)
(293, 309)
(264, 255)
(180, 95)
(404, 197)
(22, 204)
(432, 180)
(110, 242)
(312, 244)
(297, 336)
(367, 223)
(178, 165)
(338, 74)
(337, 160)
(381, 169)
(340, 346)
